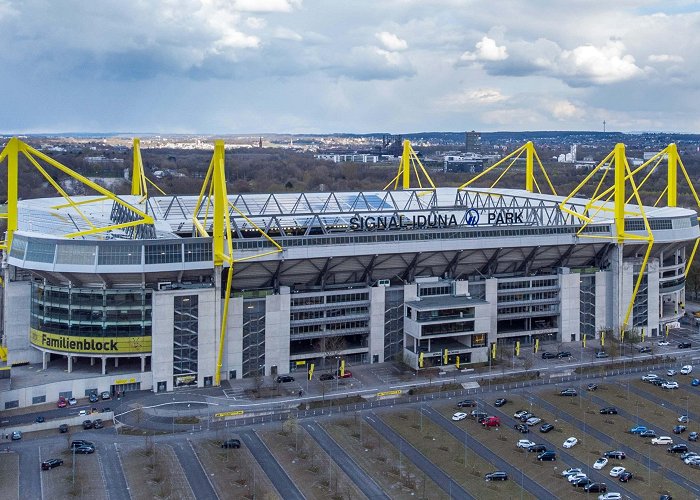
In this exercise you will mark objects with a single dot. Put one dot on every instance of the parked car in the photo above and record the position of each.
(231, 443)
(671, 372)
(601, 354)
(649, 377)
(693, 436)
(40, 419)
(538, 448)
(662, 440)
(51, 463)
(105, 395)
(522, 428)
(686, 369)
(500, 402)
(85, 450)
(570, 442)
(491, 422)
(63, 428)
(576, 477)
(524, 418)
(464, 403)
(684, 345)
(658, 382)
(625, 476)
(496, 476)
(97, 424)
(608, 410)
(695, 382)
(548, 355)
(670, 385)
(616, 454)
(345, 374)
(533, 421)
(611, 495)
(663, 343)
(72, 401)
(568, 392)
(679, 429)
(571, 471)
(644, 349)
(284, 378)
(80, 442)
(62, 402)
(519, 413)
(16, 435)
(477, 414)
(563, 354)
(678, 448)
(600, 463)
(649, 433)
(683, 419)
(546, 428)
(591, 387)
(87, 424)
(547, 456)
(524, 443)
(638, 429)
(583, 482)
(595, 488)
(93, 397)
(459, 416)
(616, 471)
(326, 376)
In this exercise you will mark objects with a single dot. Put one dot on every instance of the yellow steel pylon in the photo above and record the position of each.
(139, 181)
(410, 162)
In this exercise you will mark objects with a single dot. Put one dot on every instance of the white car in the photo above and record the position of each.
(519, 413)
(686, 369)
(569, 472)
(649, 377)
(600, 463)
(670, 385)
(610, 495)
(662, 440)
(683, 419)
(459, 416)
(533, 420)
(663, 343)
(671, 372)
(575, 477)
(525, 443)
(570, 443)
(616, 471)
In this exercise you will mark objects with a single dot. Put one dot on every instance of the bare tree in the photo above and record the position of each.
(332, 346)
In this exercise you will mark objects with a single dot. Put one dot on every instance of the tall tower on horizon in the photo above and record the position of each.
(472, 142)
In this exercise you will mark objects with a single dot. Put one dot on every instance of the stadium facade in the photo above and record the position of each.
(421, 275)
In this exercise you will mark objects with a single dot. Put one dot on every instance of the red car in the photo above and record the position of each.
(347, 374)
(62, 403)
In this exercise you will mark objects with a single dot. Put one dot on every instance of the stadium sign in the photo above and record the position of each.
(90, 345)
(503, 217)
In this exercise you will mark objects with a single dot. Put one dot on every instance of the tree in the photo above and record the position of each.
(332, 346)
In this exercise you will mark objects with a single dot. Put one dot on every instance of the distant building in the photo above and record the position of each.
(469, 162)
(348, 157)
(102, 159)
(473, 142)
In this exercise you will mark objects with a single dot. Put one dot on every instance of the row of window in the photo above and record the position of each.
(521, 297)
(534, 283)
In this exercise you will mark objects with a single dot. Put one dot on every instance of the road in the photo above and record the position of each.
(562, 453)
(448, 485)
(115, 482)
(199, 482)
(529, 484)
(358, 476)
(279, 478)
(29, 470)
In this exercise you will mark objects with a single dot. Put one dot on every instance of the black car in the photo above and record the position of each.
(595, 488)
(51, 463)
(500, 402)
(684, 345)
(608, 410)
(63, 428)
(326, 376)
(583, 482)
(648, 434)
(679, 429)
(466, 403)
(87, 424)
(522, 428)
(524, 418)
(693, 436)
(97, 424)
(548, 355)
(539, 448)
(547, 456)
(644, 349)
(658, 382)
(569, 392)
(80, 442)
(481, 417)
(496, 476)
(478, 415)
(85, 450)
(93, 397)
(39, 419)
(564, 354)
(546, 427)
(592, 387)
(617, 454)
(231, 443)
(625, 476)
(665, 497)
(678, 448)
(284, 378)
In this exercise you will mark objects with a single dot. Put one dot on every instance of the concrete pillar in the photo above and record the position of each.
(92, 361)
(104, 365)
(44, 360)
(143, 364)
(70, 364)
(116, 362)
(377, 309)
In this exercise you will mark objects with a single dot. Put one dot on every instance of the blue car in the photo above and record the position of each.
(638, 429)
(695, 382)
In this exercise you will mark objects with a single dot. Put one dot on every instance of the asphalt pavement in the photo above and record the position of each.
(358, 476)
(448, 485)
(199, 482)
(29, 470)
(529, 484)
(279, 478)
(115, 482)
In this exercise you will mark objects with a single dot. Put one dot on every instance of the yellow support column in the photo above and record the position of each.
(136, 170)
(529, 166)
(672, 185)
(406, 163)
(620, 191)
(220, 202)
(12, 183)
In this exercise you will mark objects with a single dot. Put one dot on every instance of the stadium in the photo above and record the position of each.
(161, 292)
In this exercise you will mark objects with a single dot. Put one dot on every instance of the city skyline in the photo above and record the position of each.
(301, 66)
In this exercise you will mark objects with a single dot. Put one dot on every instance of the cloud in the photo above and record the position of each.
(486, 50)
(372, 63)
(565, 110)
(661, 58)
(266, 5)
(600, 65)
(391, 42)
(287, 34)
(471, 97)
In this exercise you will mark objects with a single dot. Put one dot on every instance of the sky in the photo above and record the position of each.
(348, 66)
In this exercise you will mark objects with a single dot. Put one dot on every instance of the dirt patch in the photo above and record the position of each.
(234, 473)
(61, 483)
(152, 470)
